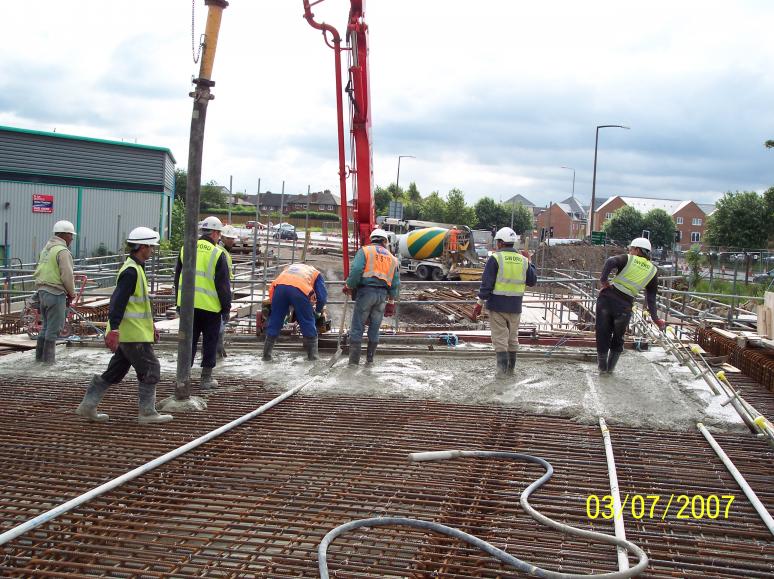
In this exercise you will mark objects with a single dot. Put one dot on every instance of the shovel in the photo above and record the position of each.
(339, 351)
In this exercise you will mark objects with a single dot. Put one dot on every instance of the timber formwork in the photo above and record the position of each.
(256, 501)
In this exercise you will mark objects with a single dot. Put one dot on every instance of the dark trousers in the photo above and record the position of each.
(139, 355)
(206, 324)
(612, 320)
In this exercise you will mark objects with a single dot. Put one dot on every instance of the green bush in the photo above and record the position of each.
(101, 251)
(321, 215)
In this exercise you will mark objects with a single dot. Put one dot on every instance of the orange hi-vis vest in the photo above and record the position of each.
(297, 275)
(379, 263)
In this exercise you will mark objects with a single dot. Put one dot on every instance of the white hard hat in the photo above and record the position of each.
(379, 234)
(143, 236)
(506, 235)
(211, 223)
(230, 232)
(64, 227)
(641, 242)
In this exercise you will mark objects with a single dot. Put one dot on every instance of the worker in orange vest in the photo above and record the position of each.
(303, 287)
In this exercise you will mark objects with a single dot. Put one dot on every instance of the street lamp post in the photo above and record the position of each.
(397, 179)
(594, 178)
(573, 179)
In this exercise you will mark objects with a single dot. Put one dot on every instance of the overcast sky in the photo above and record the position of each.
(490, 97)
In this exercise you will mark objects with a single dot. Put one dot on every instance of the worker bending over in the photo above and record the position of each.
(506, 275)
(130, 335)
(374, 283)
(55, 285)
(616, 297)
(212, 295)
(227, 240)
(303, 287)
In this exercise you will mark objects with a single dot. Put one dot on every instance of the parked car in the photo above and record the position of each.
(765, 278)
(284, 233)
(482, 252)
(251, 224)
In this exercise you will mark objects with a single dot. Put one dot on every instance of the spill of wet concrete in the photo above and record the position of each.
(647, 389)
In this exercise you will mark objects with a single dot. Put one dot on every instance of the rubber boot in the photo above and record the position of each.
(310, 345)
(370, 351)
(49, 352)
(511, 363)
(602, 363)
(94, 393)
(147, 403)
(502, 364)
(612, 360)
(207, 381)
(354, 353)
(268, 346)
(39, 349)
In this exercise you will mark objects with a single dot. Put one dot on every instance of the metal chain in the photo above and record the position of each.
(194, 53)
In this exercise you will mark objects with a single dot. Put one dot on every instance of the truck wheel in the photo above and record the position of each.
(437, 274)
(423, 272)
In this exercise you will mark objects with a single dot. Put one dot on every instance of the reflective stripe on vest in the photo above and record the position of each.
(137, 323)
(205, 293)
(635, 276)
(230, 265)
(47, 272)
(298, 275)
(511, 274)
(379, 263)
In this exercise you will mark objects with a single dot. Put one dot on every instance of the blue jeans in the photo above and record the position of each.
(284, 297)
(53, 308)
(369, 307)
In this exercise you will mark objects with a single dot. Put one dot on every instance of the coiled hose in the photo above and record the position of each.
(499, 554)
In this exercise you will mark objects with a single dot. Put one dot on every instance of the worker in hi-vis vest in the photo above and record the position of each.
(130, 335)
(506, 275)
(303, 287)
(55, 285)
(616, 297)
(227, 240)
(212, 295)
(374, 283)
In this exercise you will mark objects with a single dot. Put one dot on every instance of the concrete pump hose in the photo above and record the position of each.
(499, 554)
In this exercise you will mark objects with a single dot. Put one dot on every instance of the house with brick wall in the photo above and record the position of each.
(563, 220)
(690, 218)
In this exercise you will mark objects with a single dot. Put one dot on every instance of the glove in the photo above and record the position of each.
(389, 310)
(661, 324)
(155, 335)
(69, 300)
(112, 340)
(477, 311)
(604, 284)
(347, 290)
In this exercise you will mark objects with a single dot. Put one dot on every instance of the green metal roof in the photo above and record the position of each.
(89, 139)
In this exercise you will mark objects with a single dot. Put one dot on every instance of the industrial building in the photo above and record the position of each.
(105, 188)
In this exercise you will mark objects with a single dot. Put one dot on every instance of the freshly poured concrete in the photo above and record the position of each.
(648, 389)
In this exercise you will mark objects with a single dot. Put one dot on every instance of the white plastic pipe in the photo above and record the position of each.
(618, 525)
(749, 493)
(140, 470)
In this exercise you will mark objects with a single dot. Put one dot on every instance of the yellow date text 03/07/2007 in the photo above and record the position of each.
(686, 507)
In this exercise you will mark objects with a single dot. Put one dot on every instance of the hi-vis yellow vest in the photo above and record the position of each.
(635, 276)
(511, 274)
(137, 323)
(205, 294)
(47, 272)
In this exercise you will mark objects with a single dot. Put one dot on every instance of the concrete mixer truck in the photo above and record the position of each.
(435, 253)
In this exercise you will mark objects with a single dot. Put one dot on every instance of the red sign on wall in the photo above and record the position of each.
(42, 203)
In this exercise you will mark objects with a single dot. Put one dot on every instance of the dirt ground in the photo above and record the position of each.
(579, 256)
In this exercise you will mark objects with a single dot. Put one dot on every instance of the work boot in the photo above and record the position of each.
(370, 351)
(502, 364)
(612, 360)
(511, 363)
(602, 363)
(207, 381)
(268, 346)
(39, 349)
(49, 352)
(310, 345)
(147, 403)
(94, 393)
(354, 353)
